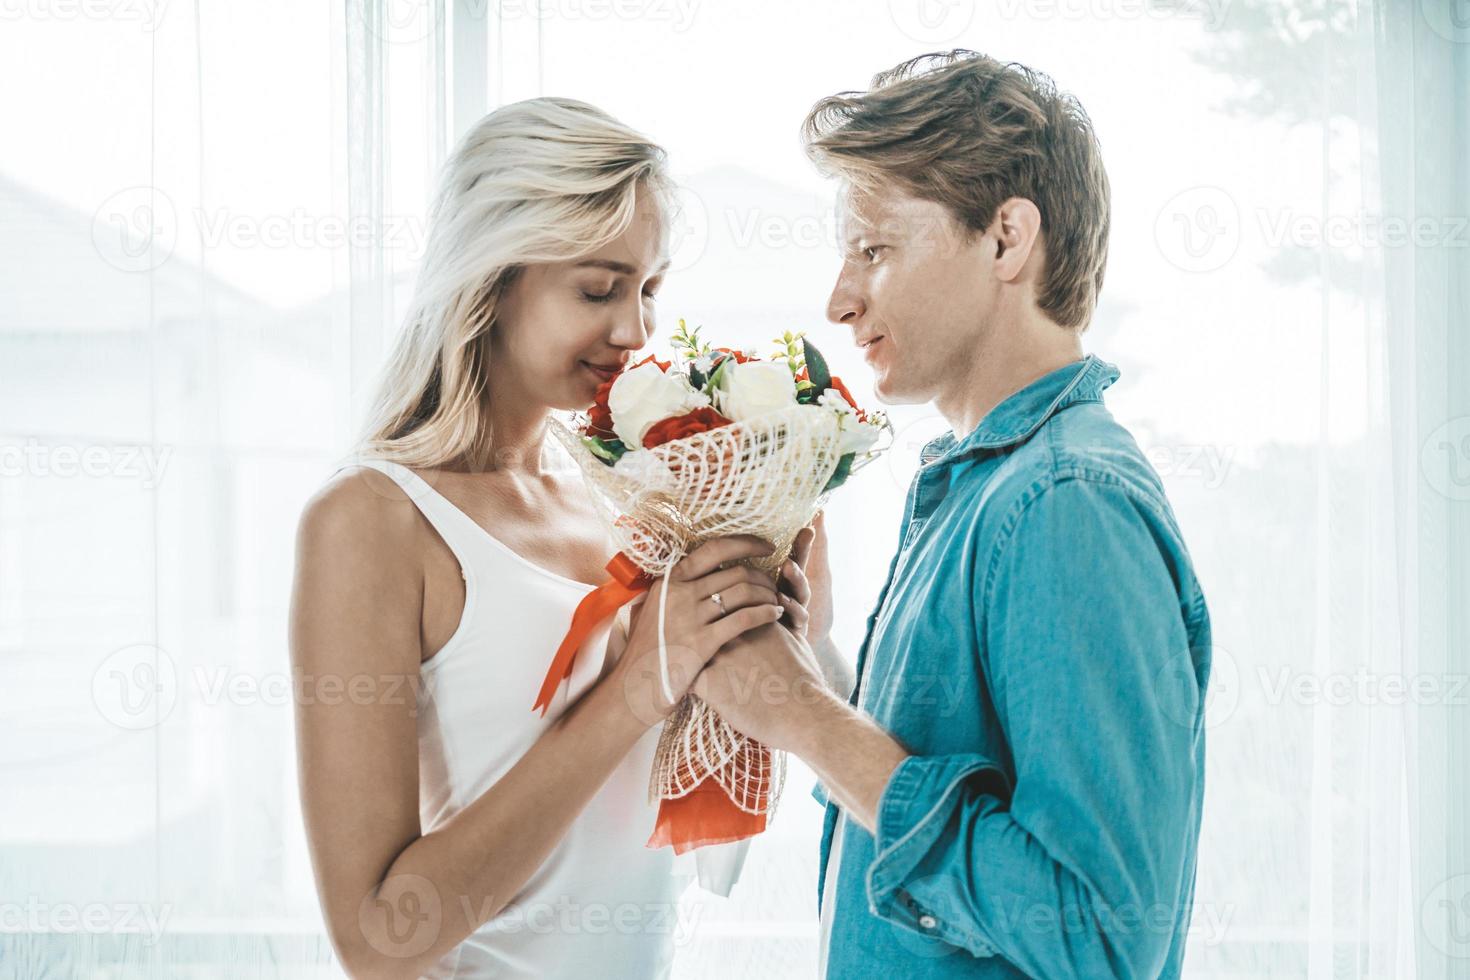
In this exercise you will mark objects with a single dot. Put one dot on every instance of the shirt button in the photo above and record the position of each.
(927, 922)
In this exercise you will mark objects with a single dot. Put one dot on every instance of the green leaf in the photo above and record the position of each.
(607, 450)
(816, 366)
(687, 342)
(840, 475)
(717, 373)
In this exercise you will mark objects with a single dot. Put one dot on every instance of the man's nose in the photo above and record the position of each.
(846, 303)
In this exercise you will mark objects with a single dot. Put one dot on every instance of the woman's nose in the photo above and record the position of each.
(634, 328)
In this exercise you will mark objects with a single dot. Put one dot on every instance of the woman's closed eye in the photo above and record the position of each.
(605, 295)
(611, 293)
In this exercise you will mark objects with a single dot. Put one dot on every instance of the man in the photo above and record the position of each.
(1016, 783)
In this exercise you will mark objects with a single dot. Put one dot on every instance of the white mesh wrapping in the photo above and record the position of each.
(763, 476)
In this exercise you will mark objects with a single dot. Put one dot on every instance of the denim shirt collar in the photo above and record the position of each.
(1018, 417)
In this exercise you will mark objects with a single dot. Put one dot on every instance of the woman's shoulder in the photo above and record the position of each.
(359, 512)
(357, 595)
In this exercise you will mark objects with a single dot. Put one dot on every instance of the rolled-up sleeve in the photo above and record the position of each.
(1077, 868)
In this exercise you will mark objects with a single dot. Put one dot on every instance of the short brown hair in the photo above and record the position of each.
(963, 130)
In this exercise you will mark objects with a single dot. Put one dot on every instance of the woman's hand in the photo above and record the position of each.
(695, 626)
(806, 585)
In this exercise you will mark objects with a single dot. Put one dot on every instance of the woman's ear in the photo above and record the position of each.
(1016, 229)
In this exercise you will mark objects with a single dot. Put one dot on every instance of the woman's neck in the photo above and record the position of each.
(517, 439)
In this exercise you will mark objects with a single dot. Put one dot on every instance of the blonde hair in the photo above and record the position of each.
(544, 180)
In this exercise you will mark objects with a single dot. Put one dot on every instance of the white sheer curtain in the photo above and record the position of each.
(1423, 152)
(209, 221)
(188, 311)
(1360, 730)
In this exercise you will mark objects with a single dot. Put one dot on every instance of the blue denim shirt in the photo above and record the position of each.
(1042, 648)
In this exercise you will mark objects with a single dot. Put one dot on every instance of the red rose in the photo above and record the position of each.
(740, 356)
(650, 359)
(681, 426)
(599, 416)
(836, 384)
(842, 390)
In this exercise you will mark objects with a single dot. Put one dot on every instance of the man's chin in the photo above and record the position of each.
(890, 391)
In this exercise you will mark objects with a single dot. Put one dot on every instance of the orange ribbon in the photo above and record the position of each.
(704, 816)
(628, 580)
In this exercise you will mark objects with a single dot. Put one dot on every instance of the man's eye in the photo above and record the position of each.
(872, 251)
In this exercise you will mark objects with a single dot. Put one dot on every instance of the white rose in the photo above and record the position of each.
(755, 388)
(855, 436)
(644, 468)
(645, 395)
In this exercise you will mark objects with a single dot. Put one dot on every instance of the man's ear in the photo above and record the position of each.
(1016, 230)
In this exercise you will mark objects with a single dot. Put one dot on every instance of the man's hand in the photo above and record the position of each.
(806, 585)
(767, 684)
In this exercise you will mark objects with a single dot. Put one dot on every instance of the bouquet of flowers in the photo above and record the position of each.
(723, 443)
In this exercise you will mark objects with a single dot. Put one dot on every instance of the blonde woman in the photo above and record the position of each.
(453, 831)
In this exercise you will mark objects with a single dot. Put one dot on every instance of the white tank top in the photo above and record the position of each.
(601, 904)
